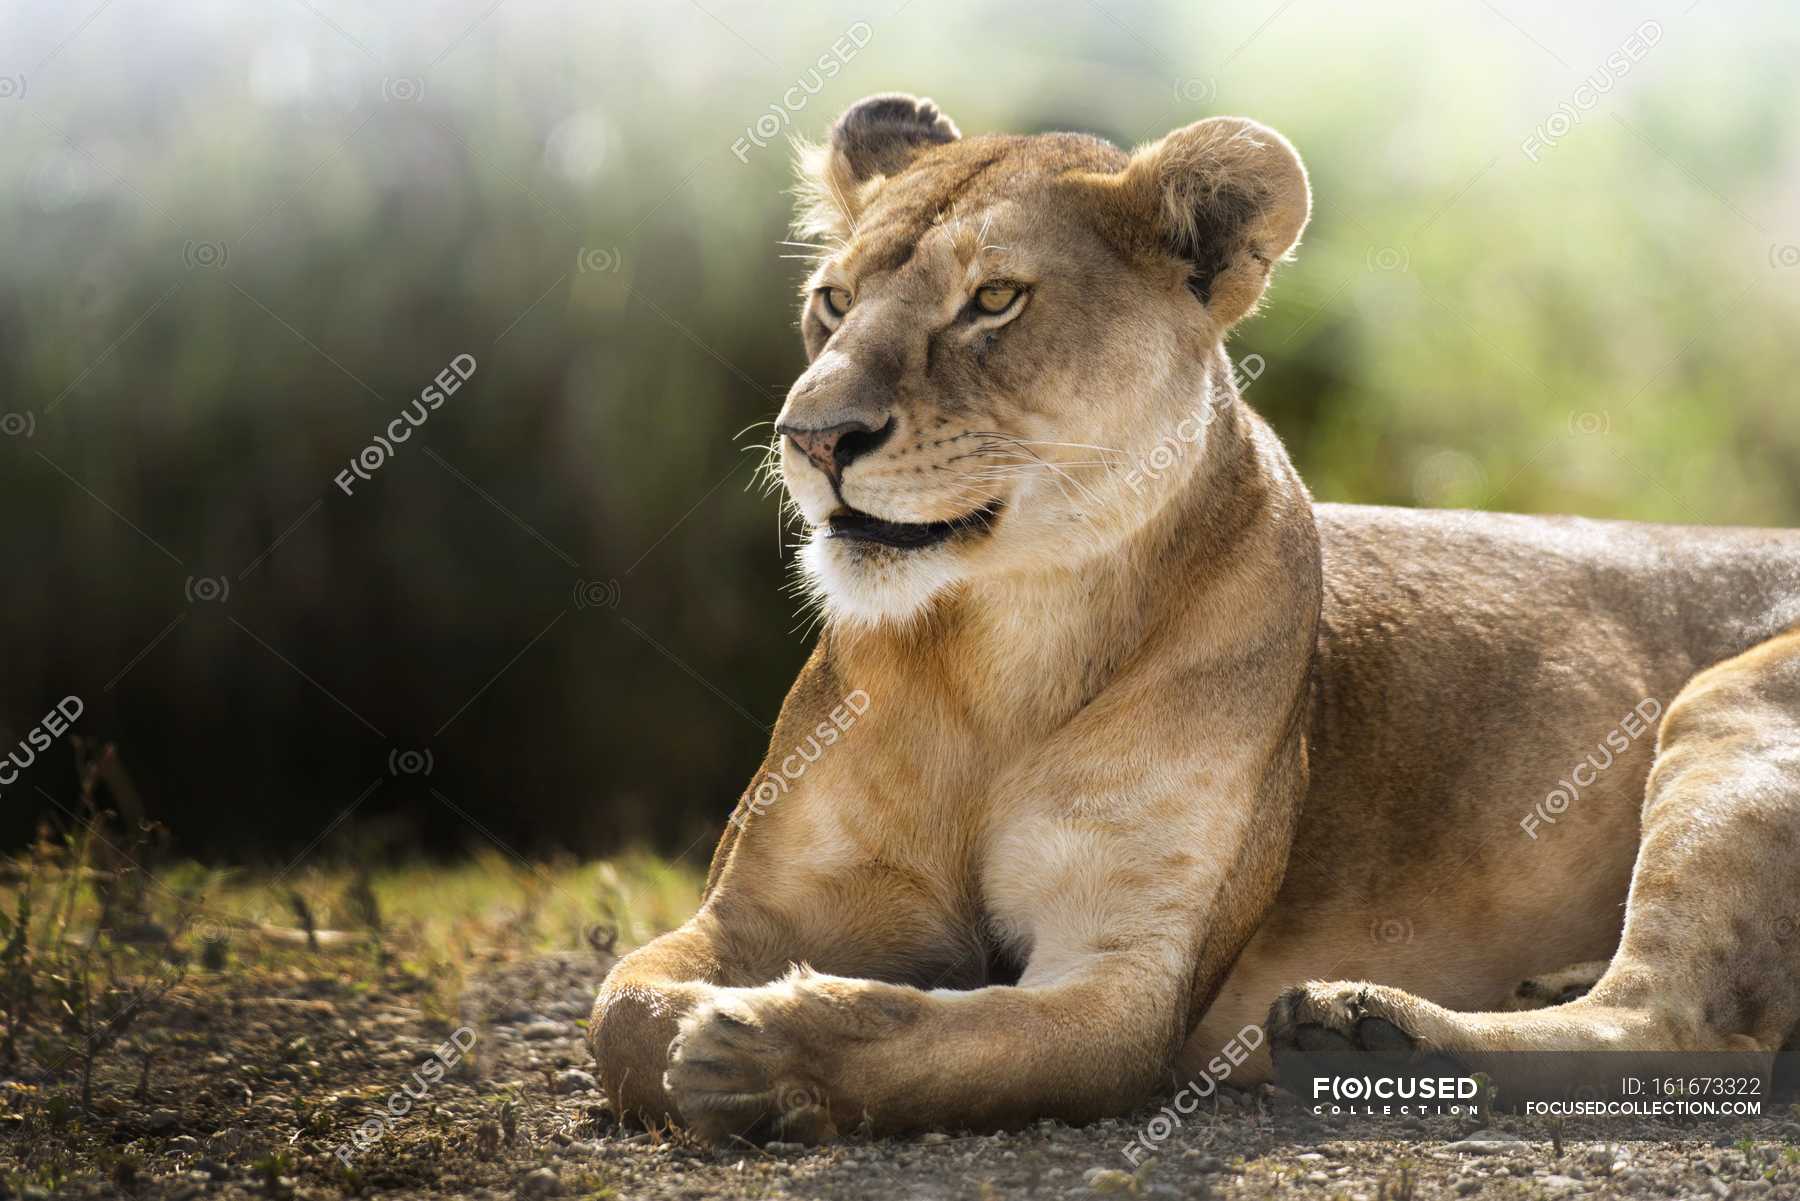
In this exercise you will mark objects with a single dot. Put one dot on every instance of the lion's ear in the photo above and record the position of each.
(1230, 197)
(875, 138)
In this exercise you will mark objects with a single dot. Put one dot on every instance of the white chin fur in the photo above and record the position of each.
(871, 589)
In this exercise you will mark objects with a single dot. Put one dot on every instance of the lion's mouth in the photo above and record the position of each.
(910, 535)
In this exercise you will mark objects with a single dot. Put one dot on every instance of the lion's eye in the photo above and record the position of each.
(836, 301)
(997, 299)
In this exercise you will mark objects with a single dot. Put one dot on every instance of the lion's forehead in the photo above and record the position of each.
(946, 191)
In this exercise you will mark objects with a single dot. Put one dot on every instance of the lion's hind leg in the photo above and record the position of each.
(1709, 959)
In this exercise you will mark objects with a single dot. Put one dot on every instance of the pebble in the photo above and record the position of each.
(1109, 1180)
(163, 1119)
(575, 1081)
(184, 1144)
(542, 1183)
(1554, 1181)
(541, 1030)
(935, 1136)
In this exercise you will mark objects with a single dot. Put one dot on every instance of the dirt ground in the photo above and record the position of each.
(257, 1084)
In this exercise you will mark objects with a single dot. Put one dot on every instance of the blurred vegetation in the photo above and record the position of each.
(99, 930)
(239, 241)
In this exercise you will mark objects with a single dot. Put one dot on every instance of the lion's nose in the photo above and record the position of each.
(835, 447)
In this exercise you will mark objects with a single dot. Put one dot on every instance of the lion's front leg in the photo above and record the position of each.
(812, 1056)
(643, 1000)
(640, 1006)
(1128, 888)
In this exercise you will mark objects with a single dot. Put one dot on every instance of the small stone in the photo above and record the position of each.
(778, 1147)
(935, 1136)
(163, 1119)
(542, 1183)
(1561, 1182)
(540, 1031)
(1317, 1178)
(1309, 1157)
(1465, 1187)
(184, 1144)
(574, 1080)
(1110, 1180)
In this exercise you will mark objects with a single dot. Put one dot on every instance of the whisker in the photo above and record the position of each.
(1111, 450)
(1017, 441)
(1000, 451)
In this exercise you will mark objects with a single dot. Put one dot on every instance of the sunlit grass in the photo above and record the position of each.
(83, 925)
(489, 904)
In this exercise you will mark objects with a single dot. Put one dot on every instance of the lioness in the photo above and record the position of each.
(1144, 739)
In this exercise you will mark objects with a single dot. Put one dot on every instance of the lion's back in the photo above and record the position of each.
(1464, 657)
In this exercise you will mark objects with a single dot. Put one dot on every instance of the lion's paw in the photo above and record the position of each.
(732, 1074)
(1323, 1019)
(1557, 988)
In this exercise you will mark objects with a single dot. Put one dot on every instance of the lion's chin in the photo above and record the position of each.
(869, 584)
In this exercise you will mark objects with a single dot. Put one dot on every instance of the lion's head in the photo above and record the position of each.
(1000, 327)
